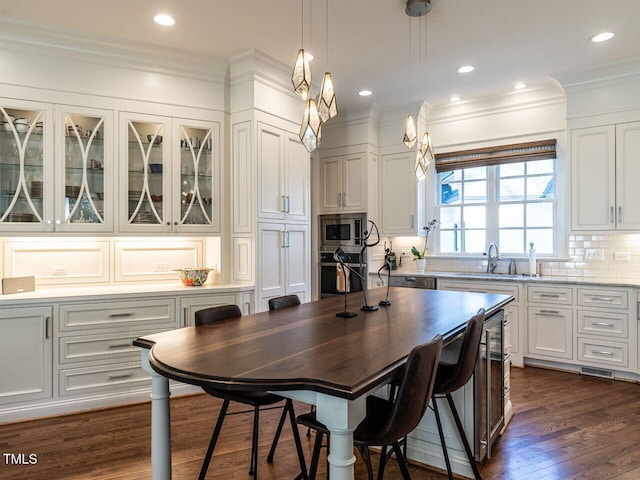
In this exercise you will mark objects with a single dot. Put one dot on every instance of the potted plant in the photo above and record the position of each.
(419, 257)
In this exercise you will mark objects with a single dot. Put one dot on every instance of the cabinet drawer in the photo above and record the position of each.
(102, 379)
(555, 295)
(603, 352)
(105, 348)
(603, 298)
(480, 287)
(119, 315)
(610, 324)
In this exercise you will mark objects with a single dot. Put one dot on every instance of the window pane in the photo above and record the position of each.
(450, 193)
(540, 166)
(540, 187)
(452, 176)
(475, 217)
(542, 238)
(478, 173)
(511, 170)
(474, 241)
(511, 215)
(540, 214)
(475, 191)
(512, 241)
(512, 189)
(449, 241)
(449, 217)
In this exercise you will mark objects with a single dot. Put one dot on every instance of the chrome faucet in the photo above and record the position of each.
(492, 260)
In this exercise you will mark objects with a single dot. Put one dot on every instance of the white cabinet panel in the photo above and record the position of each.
(602, 352)
(398, 195)
(627, 175)
(550, 332)
(25, 354)
(297, 180)
(344, 183)
(271, 196)
(271, 256)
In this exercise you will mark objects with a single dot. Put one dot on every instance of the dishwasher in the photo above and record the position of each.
(412, 281)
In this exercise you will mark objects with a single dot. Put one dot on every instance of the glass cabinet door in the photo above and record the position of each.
(85, 140)
(24, 193)
(146, 171)
(198, 174)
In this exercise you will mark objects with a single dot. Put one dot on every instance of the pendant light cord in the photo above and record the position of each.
(326, 66)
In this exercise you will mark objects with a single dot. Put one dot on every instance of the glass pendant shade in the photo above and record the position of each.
(420, 167)
(426, 149)
(301, 76)
(327, 106)
(310, 129)
(410, 135)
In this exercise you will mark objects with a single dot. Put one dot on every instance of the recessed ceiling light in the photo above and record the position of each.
(602, 37)
(466, 69)
(454, 98)
(520, 86)
(164, 20)
(365, 93)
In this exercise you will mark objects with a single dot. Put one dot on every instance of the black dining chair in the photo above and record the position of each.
(284, 302)
(254, 399)
(453, 376)
(387, 422)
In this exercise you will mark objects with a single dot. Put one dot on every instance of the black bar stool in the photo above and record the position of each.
(451, 377)
(387, 422)
(253, 399)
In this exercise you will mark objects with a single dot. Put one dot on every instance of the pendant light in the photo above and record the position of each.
(419, 167)
(410, 133)
(327, 107)
(311, 127)
(301, 76)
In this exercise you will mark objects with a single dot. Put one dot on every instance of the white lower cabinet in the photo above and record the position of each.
(26, 361)
(76, 354)
(284, 268)
(550, 332)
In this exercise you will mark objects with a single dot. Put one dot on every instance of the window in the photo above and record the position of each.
(496, 198)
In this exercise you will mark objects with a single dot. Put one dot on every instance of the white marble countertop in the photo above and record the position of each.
(502, 277)
(64, 293)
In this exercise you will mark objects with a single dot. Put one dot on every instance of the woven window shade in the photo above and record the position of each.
(482, 157)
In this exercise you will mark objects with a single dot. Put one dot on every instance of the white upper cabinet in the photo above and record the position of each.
(605, 161)
(398, 202)
(283, 175)
(26, 166)
(85, 169)
(169, 175)
(343, 183)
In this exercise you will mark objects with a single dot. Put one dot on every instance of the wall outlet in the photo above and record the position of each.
(622, 256)
(594, 254)
(161, 267)
(59, 270)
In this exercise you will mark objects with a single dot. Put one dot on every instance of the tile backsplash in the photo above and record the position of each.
(614, 255)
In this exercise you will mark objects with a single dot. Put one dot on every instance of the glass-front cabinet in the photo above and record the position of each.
(170, 175)
(26, 158)
(84, 141)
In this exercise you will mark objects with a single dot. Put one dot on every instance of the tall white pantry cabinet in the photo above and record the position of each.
(270, 183)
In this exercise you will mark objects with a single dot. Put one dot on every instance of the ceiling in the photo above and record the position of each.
(508, 41)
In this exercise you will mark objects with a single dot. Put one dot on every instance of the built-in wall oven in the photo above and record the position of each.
(345, 231)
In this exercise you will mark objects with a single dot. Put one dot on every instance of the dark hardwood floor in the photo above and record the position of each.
(566, 426)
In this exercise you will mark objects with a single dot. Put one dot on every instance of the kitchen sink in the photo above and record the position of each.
(502, 276)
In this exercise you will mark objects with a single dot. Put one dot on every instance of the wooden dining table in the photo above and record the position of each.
(306, 353)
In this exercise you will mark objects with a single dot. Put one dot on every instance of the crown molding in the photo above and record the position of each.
(606, 73)
(34, 39)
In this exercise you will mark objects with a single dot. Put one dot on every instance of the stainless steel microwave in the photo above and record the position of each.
(346, 230)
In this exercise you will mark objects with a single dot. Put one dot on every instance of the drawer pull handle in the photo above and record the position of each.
(120, 345)
(120, 315)
(602, 299)
(550, 312)
(603, 324)
(478, 291)
(549, 295)
(120, 377)
(603, 352)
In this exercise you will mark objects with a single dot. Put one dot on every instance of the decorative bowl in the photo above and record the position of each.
(157, 141)
(193, 277)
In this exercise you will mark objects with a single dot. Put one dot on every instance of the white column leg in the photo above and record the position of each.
(341, 418)
(160, 422)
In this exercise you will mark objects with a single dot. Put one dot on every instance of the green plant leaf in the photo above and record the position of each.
(415, 252)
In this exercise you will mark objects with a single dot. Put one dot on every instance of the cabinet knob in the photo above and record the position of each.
(175, 223)
(168, 223)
